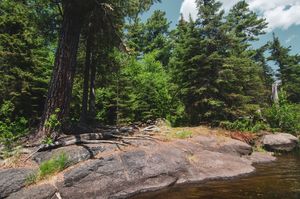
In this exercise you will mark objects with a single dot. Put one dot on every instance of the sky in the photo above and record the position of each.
(283, 17)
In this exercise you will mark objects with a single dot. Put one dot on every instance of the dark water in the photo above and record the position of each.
(276, 180)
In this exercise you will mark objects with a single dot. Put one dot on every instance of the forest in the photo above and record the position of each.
(67, 65)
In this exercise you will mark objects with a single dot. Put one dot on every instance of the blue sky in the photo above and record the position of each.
(283, 17)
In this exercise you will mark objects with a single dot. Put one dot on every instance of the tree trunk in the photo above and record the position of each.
(60, 88)
(92, 103)
(85, 96)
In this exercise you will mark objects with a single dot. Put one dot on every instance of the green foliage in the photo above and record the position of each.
(150, 36)
(177, 115)
(25, 56)
(284, 115)
(245, 125)
(53, 123)
(49, 168)
(11, 128)
(53, 166)
(216, 75)
(140, 91)
(48, 140)
(289, 69)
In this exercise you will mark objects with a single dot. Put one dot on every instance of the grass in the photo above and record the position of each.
(171, 133)
(49, 168)
(183, 134)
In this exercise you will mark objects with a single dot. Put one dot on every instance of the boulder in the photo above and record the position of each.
(75, 153)
(12, 180)
(223, 145)
(44, 191)
(279, 142)
(237, 147)
(261, 157)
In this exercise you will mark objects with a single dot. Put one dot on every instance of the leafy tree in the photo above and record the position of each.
(139, 91)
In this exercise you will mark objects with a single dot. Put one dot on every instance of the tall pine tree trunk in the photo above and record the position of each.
(92, 100)
(60, 88)
(85, 96)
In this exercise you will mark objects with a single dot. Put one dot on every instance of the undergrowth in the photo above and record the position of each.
(183, 134)
(49, 168)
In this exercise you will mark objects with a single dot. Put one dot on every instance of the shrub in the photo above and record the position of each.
(11, 129)
(48, 140)
(284, 116)
(53, 123)
(245, 125)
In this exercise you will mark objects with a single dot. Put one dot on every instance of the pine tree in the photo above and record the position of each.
(268, 75)
(25, 56)
(150, 36)
(216, 80)
(61, 84)
(288, 69)
(244, 25)
(183, 67)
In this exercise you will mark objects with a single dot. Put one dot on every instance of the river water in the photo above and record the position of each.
(276, 180)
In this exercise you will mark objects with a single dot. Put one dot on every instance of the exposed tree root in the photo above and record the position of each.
(107, 136)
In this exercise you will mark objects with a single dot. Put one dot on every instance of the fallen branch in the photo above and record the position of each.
(101, 142)
(151, 128)
(136, 138)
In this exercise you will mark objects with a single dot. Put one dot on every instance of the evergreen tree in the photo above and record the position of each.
(156, 36)
(61, 84)
(184, 69)
(151, 36)
(244, 25)
(268, 73)
(217, 81)
(25, 57)
(137, 91)
(288, 69)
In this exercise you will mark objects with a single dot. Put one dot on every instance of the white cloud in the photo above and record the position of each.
(188, 7)
(278, 13)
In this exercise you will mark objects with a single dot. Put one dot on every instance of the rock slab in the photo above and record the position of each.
(280, 142)
(149, 166)
(12, 180)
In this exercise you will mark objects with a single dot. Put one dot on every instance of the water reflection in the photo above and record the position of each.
(277, 180)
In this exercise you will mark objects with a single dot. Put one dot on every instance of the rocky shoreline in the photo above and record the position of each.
(108, 171)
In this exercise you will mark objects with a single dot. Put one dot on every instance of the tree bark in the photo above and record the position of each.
(85, 96)
(60, 88)
(92, 103)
